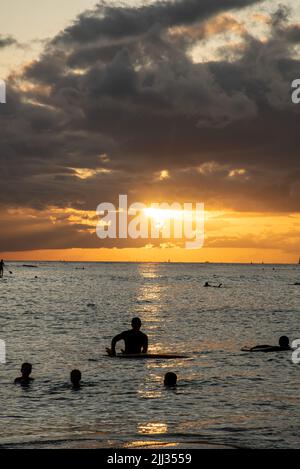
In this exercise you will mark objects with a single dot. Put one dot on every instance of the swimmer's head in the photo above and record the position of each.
(26, 370)
(284, 341)
(170, 379)
(136, 324)
(75, 377)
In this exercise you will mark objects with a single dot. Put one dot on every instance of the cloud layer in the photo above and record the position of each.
(120, 96)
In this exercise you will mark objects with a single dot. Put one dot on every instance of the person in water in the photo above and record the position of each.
(170, 379)
(213, 286)
(135, 340)
(75, 378)
(2, 265)
(25, 379)
(284, 344)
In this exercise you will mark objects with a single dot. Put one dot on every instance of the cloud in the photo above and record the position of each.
(6, 41)
(119, 22)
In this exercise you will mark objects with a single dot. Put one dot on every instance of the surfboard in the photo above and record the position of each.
(164, 356)
(258, 349)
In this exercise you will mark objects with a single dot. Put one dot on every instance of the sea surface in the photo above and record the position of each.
(64, 319)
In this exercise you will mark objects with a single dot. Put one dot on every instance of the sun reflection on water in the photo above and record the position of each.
(150, 444)
(149, 304)
(152, 428)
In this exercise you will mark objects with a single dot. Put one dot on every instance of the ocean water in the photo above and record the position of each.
(66, 317)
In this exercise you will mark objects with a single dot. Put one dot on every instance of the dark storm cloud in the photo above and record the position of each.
(112, 22)
(118, 97)
(292, 33)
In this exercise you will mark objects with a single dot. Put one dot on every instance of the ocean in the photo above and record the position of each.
(64, 319)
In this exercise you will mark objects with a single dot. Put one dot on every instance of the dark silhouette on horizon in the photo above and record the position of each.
(75, 377)
(207, 284)
(135, 340)
(2, 265)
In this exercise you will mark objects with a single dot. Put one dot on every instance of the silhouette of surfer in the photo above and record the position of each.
(135, 340)
(207, 284)
(2, 265)
(284, 344)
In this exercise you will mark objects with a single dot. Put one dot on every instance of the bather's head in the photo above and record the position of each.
(170, 379)
(284, 341)
(26, 370)
(136, 324)
(75, 377)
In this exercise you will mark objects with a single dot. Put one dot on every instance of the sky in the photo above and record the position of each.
(184, 100)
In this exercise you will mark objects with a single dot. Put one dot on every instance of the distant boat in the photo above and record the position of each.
(31, 266)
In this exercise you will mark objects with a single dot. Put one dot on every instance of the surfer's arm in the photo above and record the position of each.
(114, 341)
(145, 345)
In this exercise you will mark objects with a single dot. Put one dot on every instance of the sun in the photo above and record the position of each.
(161, 216)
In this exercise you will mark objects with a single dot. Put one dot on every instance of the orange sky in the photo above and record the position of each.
(229, 237)
(233, 255)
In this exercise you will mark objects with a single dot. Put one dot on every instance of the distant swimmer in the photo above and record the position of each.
(75, 378)
(25, 379)
(284, 344)
(135, 340)
(212, 286)
(170, 379)
(2, 265)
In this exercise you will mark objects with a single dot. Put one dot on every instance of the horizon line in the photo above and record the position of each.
(25, 262)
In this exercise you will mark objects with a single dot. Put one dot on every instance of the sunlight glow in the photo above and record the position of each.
(161, 216)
